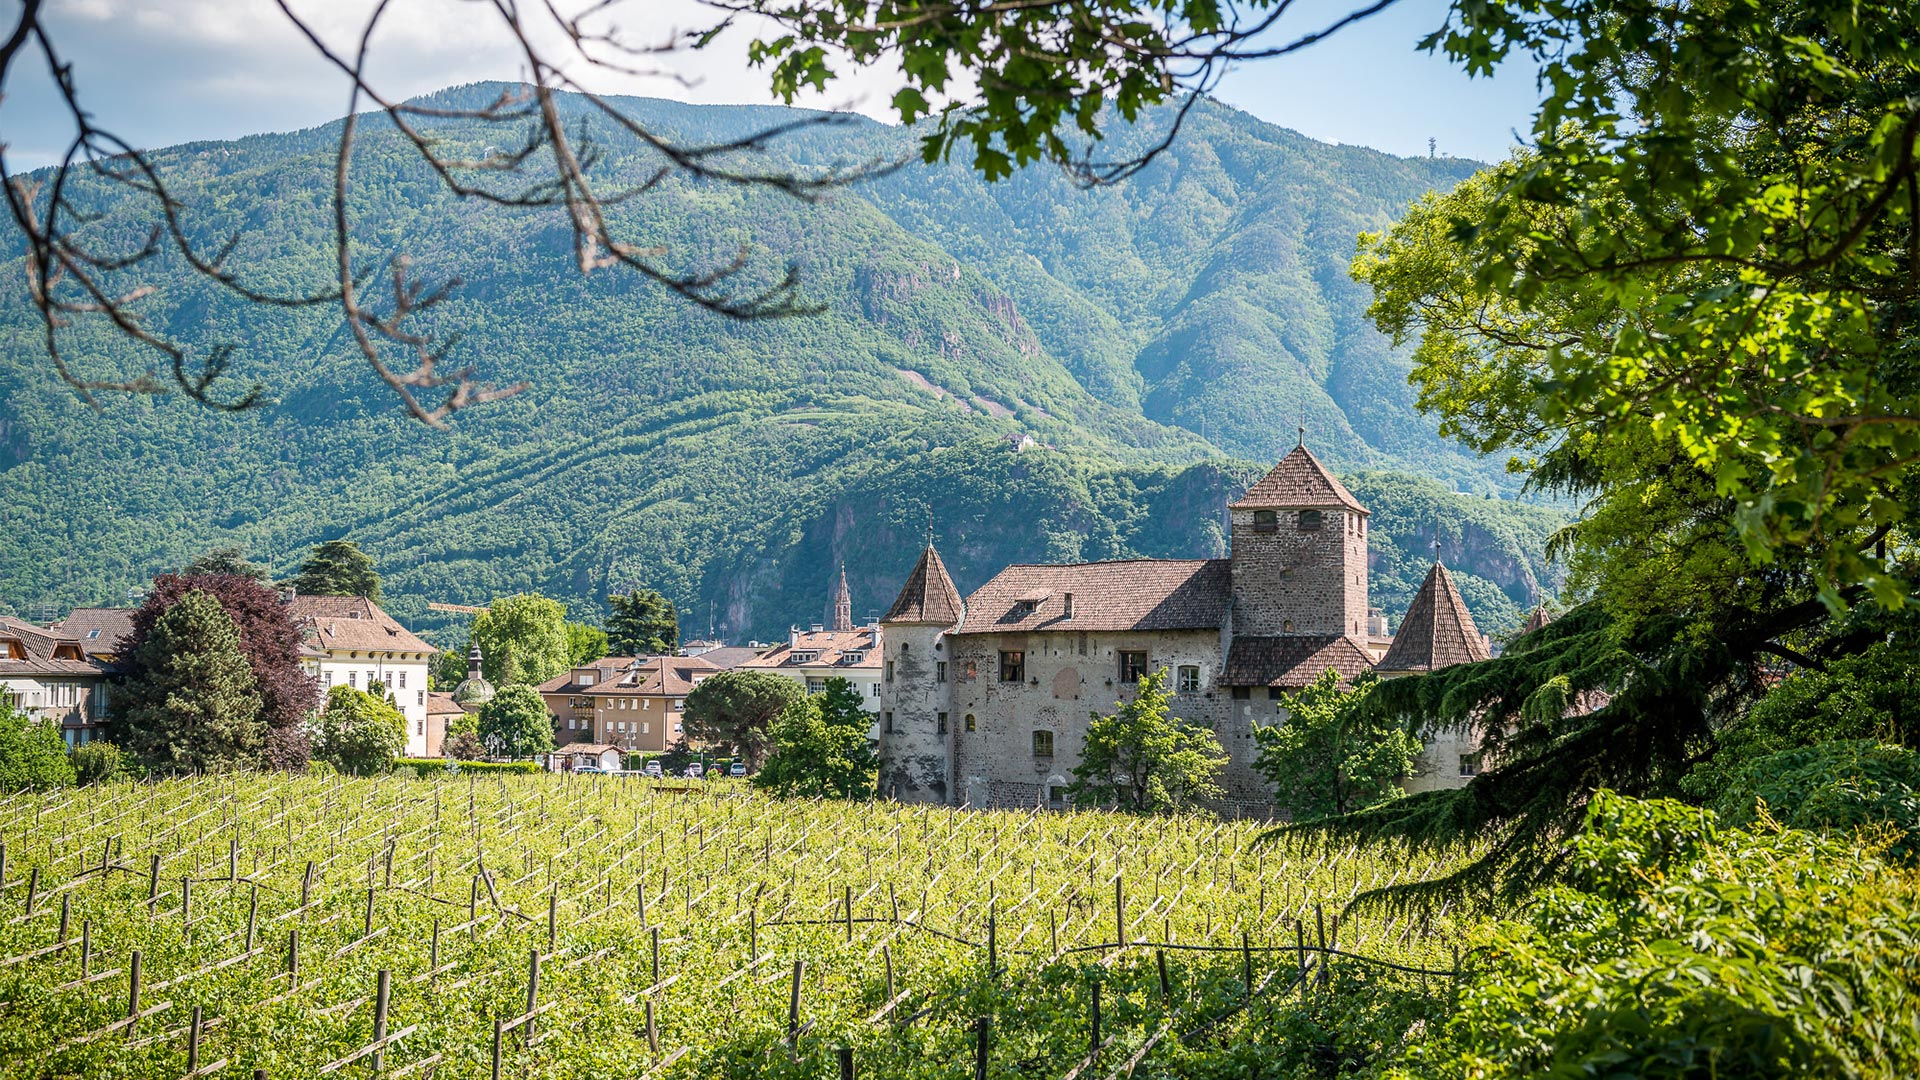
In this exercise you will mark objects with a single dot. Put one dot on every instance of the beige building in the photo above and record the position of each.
(51, 678)
(349, 641)
(633, 703)
(811, 657)
(985, 700)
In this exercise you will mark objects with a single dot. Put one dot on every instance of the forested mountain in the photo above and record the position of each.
(1162, 340)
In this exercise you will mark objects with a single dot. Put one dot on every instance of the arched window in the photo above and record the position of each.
(1310, 520)
(1266, 521)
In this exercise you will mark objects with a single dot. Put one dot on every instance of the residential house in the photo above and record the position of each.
(587, 755)
(442, 711)
(349, 641)
(632, 702)
(811, 657)
(52, 678)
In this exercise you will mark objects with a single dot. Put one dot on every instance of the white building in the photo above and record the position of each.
(351, 642)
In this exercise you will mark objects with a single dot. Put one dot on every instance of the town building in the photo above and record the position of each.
(442, 711)
(631, 702)
(984, 701)
(53, 679)
(810, 657)
(349, 641)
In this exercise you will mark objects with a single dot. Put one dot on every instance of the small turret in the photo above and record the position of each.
(916, 756)
(473, 691)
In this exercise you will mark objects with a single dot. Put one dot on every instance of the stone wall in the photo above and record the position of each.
(1293, 582)
(914, 752)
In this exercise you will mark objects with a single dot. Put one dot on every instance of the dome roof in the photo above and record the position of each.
(472, 691)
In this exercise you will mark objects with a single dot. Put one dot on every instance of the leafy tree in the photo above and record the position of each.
(227, 560)
(735, 710)
(191, 700)
(1662, 957)
(449, 668)
(1144, 759)
(516, 721)
(585, 643)
(268, 638)
(463, 746)
(32, 753)
(360, 733)
(338, 568)
(522, 639)
(1845, 785)
(98, 761)
(1329, 756)
(643, 623)
(820, 747)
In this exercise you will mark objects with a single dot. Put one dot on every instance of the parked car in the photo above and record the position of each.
(652, 768)
(695, 771)
(738, 768)
(593, 770)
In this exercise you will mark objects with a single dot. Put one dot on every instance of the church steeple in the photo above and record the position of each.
(842, 604)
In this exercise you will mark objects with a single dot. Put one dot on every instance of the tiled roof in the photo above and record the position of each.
(98, 629)
(842, 649)
(353, 623)
(1293, 661)
(1536, 621)
(1438, 630)
(26, 649)
(664, 676)
(596, 749)
(928, 597)
(1298, 481)
(442, 705)
(1129, 594)
(729, 656)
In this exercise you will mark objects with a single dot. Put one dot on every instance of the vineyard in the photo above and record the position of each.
(285, 926)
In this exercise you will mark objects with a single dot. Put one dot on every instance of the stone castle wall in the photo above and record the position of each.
(1293, 582)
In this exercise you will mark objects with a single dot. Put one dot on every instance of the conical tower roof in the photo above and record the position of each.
(1537, 621)
(1438, 630)
(1298, 481)
(928, 597)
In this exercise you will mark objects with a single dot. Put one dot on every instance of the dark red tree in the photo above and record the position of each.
(269, 638)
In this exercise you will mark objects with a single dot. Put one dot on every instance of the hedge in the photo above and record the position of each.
(425, 767)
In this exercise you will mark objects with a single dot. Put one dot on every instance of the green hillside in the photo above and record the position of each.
(1146, 335)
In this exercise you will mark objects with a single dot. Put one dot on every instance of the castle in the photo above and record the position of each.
(984, 700)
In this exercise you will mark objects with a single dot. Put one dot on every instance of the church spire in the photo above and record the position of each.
(842, 604)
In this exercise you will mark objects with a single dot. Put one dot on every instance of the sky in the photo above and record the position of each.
(160, 72)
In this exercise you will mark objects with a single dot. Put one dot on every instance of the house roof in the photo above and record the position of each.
(596, 749)
(1537, 621)
(729, 656)
(928, 597)
(1127, 594)
(833, 649)
(1294, 660)
(26, 649)
(442, 705)
(352, 623)
(661, 676)
(100, 630)
(1438, 630)
(1299, 480)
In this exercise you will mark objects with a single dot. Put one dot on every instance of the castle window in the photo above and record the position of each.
(1189, 679)
(1013, 666)
(939, 671)
(940, 723)
(1266, 521)
(1133, 665)
(1310, 520)
(1056, 794)
(1043, 744)
(1023, 608)
(889, 671)
(1242, 693)
(1287, 626)
(971, 726)
(888, 715)
(1469, 764)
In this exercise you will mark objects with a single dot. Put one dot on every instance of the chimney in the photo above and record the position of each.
(1067, 603)
(793, 637)
(818, 627)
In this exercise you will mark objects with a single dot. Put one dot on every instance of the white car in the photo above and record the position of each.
(652, 768)
(695, 771)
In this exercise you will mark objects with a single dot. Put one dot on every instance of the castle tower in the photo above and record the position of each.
(1437, 632)
(1299, 554)
(916, 755)
(842, 618)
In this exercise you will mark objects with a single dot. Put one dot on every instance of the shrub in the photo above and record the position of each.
(359, 732)
(32, 754)
(1847, 785)
(98, 762)
(426, 767)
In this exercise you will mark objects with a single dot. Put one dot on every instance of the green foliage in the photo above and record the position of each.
(1145, 760)
(585, 644)
(736, 709)
(426, 768)
(463, 746)
(227, 560)
(820, 747)
(338, 568)
(190, 701)
(448, 669)
(643, 623)
(1329, 756)
(1845, 786)
(359, 733)
(522, 639)
(98, 761)
(1680, 949)
(32, 754)
(517, 722)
